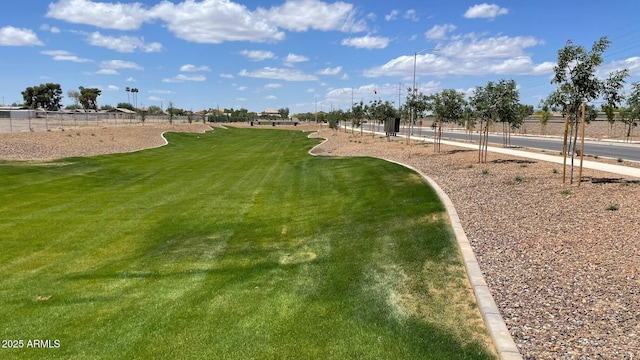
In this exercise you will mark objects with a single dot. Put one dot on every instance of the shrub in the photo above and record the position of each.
(613, 207)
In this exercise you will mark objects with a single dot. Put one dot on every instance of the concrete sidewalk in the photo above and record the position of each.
(587, 164)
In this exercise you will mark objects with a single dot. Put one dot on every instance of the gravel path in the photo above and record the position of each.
(561, 263)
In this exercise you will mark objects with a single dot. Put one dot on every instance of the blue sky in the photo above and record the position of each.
(300, 54)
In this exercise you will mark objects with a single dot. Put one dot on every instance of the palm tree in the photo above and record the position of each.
(128, 89)
(135, 97)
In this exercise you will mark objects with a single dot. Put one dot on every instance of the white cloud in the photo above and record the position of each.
(52, 29)
(273, 86)
(278, 74)
(367, 42)
(63, 55)
(183, 78)
(270, 97)
(125, 44)
(293, 58)
(194, 68)
(258, 55)
(117, 16)
(112, 88)
(120, 64)
(469, 56)
(392, 15)
(302, 15)
(227, 76)
(107, 72)
(241, 99)
(439, 32)
(155, 98)
(503, 46)
(330, 71)
(486, 11)
(12, 36)
(411, 15)
(157, 91)
(216, 21)
(130, 79)
(241, 88)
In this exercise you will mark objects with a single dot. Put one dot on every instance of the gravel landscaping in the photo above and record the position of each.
(562, 261)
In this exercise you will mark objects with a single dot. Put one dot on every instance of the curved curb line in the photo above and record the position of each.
(505, 346)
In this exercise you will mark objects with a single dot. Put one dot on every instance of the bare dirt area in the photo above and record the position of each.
(562, 261)
(87, 141)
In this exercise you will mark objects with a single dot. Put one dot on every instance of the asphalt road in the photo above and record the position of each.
(614, 150)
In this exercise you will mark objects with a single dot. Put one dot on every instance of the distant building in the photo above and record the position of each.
(270, 113)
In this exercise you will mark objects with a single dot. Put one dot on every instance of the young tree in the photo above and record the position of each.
(632, 111)
(544, 115)
(89, 97)
(357, 110)
(417, 105)
(576, 77)
(484, 104)
(446, 106)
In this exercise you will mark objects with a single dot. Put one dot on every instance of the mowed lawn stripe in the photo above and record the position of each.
(231, 244)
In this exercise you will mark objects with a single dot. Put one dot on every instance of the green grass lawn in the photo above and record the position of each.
(233, 244)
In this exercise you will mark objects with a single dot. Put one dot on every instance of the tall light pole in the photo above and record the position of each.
(415, 59)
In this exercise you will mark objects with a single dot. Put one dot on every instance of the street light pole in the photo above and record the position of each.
(415, 60)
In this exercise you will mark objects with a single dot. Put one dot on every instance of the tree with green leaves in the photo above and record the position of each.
(632, 111)
(284, 112)
(544, 115)
(46, 96)
(125, 106)
(484, 103)
(446, 106)
(417, 105)
(358, 114)
(89, 98)
(468, 121)
(575, 74)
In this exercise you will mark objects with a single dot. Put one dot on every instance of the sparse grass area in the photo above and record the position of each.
(613, 207)
(519, 178)
(565, 192)
(234, 244)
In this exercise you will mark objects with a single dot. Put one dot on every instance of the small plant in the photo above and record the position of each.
(485, 172)
(519, 178)
(470, 166)
(596, 157)
(624, 182)
(565, 192)
(613, 207)
(523, 165)
(555, 171)
(620, 160)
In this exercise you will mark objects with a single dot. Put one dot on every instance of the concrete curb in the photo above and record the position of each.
(506, 347)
